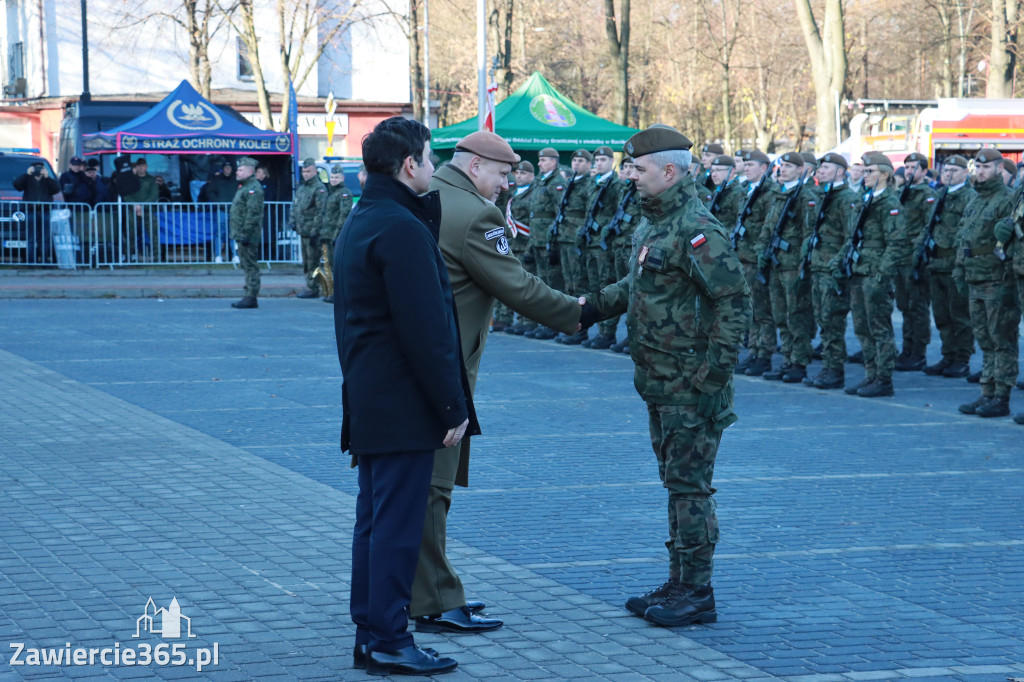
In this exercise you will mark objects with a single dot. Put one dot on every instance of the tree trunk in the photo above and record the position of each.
(1002, 55)
(499, 26)
(828, 66)
(618, 49)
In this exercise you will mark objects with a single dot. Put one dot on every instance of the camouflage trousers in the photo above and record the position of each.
(995, 317)
(871, 304)
(831, 311)
(913, 299)
(600, 267)
(248, 256)
(762, 335)
(573, 273)
(502, 313)
(791, 310)
(686, 446)
(952, 317)
(622, 251)
(310, 262)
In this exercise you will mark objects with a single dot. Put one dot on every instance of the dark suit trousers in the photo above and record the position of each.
(386, 545)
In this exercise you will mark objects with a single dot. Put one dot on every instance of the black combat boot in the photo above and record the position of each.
(972, 407)
(777, 374)
(817, 352)
(544, 333)
(621, 347)
(759, 366)
(308, 293)
(1019, 419)
(1020, 384)
(602, 342)
(688, 604)
(246, 302)
(852, 390)
(829, 378)
(795, 375)
(741, 367)
(499, 326)
(911, 363)
(856, 359)
(879, 388)
(957, 370)
(639, 605)
(998, 406)
(938, 368)
(974, 378)
(575, 339)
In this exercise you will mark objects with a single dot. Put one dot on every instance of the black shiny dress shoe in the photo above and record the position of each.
(408, 661)
(476, 606)
(359, 655)
(457, 620)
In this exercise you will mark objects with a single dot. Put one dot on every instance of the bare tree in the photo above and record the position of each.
(828, 66)
(721, 29)
(618, 48)
(1003, 53)
(499, 27)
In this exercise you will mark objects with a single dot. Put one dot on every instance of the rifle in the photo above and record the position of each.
(905, 192)
(740, 231)
(560, 215)
(805, 264)
(590, 225)
(1016, 215)
(852, 254)
(620, 215)
(927, 248)
(777, 243)
(716, 196)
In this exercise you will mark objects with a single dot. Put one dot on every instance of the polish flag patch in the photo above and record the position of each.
(698, 240)
(894, 211)
(929, 200)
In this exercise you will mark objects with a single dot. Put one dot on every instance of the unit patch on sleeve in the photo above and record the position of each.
(494, 234)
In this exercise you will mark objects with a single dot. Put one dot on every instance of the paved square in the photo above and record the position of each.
(180, 449)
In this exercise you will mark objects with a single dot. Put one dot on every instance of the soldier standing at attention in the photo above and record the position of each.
(687, 306)
(307, 217)
(600, 262)
(1009, 232)
(337, 207)
(855, 176)
(912, 295)
(836, 214)
(546, 194)
(246, 223)
(744, 234)
(789, 219)
(949, 306)
(579, 190)
(708, 153)
(730, 192)
(880, 245)
(517, 215)
(619, 235)
(986, 271)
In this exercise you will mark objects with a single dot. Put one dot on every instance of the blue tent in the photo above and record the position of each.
(185, 122)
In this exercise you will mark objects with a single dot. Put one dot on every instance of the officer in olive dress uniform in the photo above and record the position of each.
(481, 267)
(687, 306)
(985, 269)
(544, 200)
(245, 220)
(877, 248)
(337, 207)
(306, 218)
(913, 295)
(599, 260)
(949, 306)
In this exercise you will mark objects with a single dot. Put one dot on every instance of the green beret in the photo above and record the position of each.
(792, 157)
(713, 148)
(723, 160)
(756, 155)
(988, 155)
(918, 157)
(247, 161)
(876, 159)
(604, 151)
(525, 166)
(549, 152)
(583, 154)
(657, 138)
(338, 169)
(309, 163)
(837, 159)
(956, 160)
(627, 159)
(1009, 166)
(809, 158)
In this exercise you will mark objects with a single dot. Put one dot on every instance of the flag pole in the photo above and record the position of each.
(481, 62)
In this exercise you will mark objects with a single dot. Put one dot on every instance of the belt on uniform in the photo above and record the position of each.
(942, 252)
(971, 251)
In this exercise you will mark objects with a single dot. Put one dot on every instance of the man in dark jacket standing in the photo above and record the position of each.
(405, 392)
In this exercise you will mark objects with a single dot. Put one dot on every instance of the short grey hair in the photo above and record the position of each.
(680, 158)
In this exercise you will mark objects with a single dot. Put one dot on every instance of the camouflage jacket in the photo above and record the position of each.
(884, 243)
(603, 203)
(246, 216)
(576, 208)
(730, 203)
(337, 207)
(841, 205)
(917, 208)
(948, 225)
(307, 214)
(758, 211)
(795, 230)
(1015, 248)
(519, 208)
(686, 301)
(976, 260)
(544, 198)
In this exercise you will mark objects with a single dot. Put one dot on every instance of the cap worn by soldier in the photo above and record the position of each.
(920, 158)
(604, 151)
(794, 158)
(723, 160)
(525, 166)
(837, 159)
(713, 148)
(956, 160)
(248, 161)
(488, 145)
(876, 159)
(309, 163)
(1009, 166)
(988, 156)
(627, 159)
(548, 152)
(583, 154)
(756, 155)
(809, 158)
(657, 138)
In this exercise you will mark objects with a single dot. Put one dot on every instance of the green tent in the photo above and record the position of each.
(537, 116)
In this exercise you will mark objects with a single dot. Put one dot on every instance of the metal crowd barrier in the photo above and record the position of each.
(111, 234)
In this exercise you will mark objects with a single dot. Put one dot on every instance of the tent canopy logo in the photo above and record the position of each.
(198, 116)
(550, 111)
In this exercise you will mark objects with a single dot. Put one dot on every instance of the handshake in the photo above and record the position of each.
(589, 315)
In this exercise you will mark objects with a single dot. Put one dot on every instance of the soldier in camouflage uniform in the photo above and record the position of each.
(307, 218)
(949, 306)
(878, 247)
(245, 219)
(912, 296)
(517, 214)
(579, 190)
(618, 234)
(837, 211)
(983, 267)
(338, 206)
(790, 295)
(761, 335)
(600, 262)
(702, 178)
(1010, 232)
(687, 306)
(544, 199)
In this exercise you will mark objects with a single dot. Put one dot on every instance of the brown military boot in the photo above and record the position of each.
(688, 604)
(639, 605)
(998, 406)
(972, 407)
